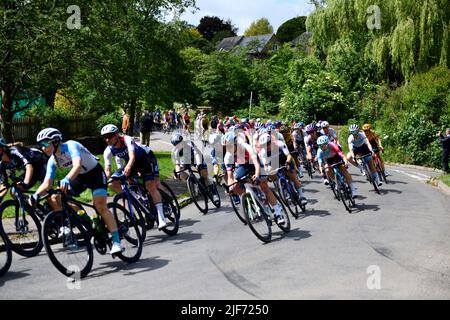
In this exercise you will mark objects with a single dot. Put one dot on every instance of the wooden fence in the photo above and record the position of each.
(26, 129)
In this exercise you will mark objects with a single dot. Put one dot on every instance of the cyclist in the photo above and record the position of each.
(33, 161)
(329, 154)
(270, 155)
(186, 122)
(359, 145)
(330, 133)
(186, 153)
(132, 158)
(86, 172)
(375, 141)
(240, 154)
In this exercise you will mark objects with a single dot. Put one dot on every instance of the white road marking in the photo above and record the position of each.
(413, 175)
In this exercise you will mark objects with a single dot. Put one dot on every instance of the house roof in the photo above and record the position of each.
(231, 42)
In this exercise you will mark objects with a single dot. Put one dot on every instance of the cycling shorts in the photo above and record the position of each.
(94, 179)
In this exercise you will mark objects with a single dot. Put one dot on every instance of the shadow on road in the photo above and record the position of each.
(396, 182)
(13, 275)
(385, 191)
(310, 190)
(188, 222)
(179, 238)
(297, 234)
(362, 207)
(143, 265)
(319, 213)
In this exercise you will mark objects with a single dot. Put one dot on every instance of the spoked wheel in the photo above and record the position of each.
(22, 233)
(333, 187)
(236, 207)
(122, 200)
(165, 187)
(341, 192)
(290, 199)
(309, 168)
(70, 250)
(212, 190)
(286, 226)
(171, 213)
(129, 233)
(257, 218)
(198, 194)
(5, 254)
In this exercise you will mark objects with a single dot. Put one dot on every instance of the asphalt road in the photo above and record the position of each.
(394, 246)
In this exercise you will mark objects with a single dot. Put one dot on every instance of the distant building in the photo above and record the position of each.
(258, 45)
(303, 42)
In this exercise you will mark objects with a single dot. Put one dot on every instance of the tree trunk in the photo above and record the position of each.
(50, 98)
(6, 116)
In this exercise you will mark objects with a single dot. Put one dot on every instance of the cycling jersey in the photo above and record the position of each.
(278, 152)
(241, 153)
(330, 152)
(70, 150)
(187, 153)
(357, 142)
(332, 136)
(146, 163)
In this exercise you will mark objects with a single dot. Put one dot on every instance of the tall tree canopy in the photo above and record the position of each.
(210, 26)
(291, 29)
(400, 36)
(259, 27)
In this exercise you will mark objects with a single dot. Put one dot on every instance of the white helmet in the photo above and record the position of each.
(324, 124)
(51, 134)
(109, 128)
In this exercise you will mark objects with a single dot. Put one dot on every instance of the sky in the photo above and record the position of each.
(243, 12)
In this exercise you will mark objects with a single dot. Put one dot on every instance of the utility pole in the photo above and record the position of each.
(250, 108)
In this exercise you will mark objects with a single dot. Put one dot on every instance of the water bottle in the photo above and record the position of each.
(85, 217)
(95, 222)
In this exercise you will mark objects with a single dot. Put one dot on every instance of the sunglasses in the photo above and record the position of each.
(354, 132)
(44, 144)
(108, 135)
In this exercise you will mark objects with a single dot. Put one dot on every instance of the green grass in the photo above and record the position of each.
(445, 179)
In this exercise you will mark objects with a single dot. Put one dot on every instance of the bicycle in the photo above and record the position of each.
(20, 222)
(5, 254)
(138, 202)
(363, 163)
(67, 236)
(340, 187)
(234, 202)
(378, 167)
(288, 193)
(259, 213)
(199, 192)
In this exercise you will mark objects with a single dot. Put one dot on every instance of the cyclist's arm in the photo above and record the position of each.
(28, 173)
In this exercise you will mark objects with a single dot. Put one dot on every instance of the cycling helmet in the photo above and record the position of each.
(50, 134)
(366, 127)
(297, 126)
(176, 139)
(258, 125)
(3, 143)
(278, 124)
(263, 130)
(228, 138)
(353, 128)
(310, 128)
(322, 140)
(265, 138)
(109, 128)
(324, 124)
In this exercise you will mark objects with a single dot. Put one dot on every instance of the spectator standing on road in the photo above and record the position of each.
(125, 122)
(445, 142)
(146, 123)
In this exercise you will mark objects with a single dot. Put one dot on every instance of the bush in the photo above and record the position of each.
(109, 118)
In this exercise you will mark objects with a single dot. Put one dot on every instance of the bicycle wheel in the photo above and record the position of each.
(236, 209)
(198, 195)
(121, 199)
(70, 250)
(289, 198)
(166, 188)
(5, 254)
(341, 191)
(349, 196)
(129, 233)
(212, 190)
(308, 167)
(286, 227)
(24, 237)
(171, 213)
(333, 188)
(257, 218)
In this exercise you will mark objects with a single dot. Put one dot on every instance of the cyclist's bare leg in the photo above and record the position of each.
(102, 208)
(268, 192)
(152, 188)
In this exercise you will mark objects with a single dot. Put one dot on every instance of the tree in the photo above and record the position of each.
(39, 54)
(259, 27)
(210, 26)
(291, 29)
